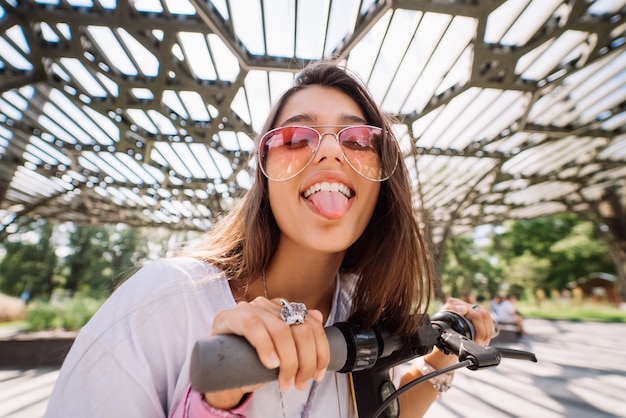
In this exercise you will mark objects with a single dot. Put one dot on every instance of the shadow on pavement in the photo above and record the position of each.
(580, 373)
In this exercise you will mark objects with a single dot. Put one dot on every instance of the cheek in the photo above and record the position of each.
(368, 164)
(283, 164)
(280, 196)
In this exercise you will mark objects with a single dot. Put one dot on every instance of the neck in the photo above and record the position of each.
(314, 297)
(296, 274)
(303, 278)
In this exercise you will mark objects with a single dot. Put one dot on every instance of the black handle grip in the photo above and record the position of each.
(229, 361)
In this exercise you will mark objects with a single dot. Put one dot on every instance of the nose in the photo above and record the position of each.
(329, 148)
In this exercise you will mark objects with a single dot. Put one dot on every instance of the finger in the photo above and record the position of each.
(456, 305)
(322, 345)
(304, 338)
(288, 355)
(489, 326)
(483, 324)
(295, 347)
(250, 322)
(312, 347)
(479, 317)
(284, 346)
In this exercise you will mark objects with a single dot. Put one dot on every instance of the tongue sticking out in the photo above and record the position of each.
(332, 205)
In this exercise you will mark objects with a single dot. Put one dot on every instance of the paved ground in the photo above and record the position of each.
(581, 373)
(24, 393)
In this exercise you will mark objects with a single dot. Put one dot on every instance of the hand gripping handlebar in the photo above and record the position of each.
(229, 361)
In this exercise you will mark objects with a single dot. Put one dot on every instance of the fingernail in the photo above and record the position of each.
(319, 375)
(290, 384)
(274, 361)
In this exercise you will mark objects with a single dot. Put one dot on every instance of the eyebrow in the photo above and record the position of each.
(306, 118)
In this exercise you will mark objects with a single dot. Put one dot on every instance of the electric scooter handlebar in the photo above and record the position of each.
(228, 361)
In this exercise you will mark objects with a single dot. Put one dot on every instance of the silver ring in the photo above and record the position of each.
(292, 312)
(475, 306)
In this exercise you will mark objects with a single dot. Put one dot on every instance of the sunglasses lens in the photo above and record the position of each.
(363, 147)
(284, 152)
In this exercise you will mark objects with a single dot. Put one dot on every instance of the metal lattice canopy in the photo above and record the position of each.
(144, 112)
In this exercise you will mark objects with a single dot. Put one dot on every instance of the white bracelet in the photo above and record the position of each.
(442, 382)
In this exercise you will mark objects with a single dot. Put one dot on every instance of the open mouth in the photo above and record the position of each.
(328, 187)
(331, 199)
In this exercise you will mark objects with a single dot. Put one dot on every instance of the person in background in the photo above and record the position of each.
(505, 312)
(326, 233)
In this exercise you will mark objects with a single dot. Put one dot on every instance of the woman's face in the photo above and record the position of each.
(327, 206)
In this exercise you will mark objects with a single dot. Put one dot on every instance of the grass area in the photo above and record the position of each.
(17, 324)
(573, 312)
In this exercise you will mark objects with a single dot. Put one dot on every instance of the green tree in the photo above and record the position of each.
(88, 267)
(29, 262)
(564, 243)
(90, 260)
(583, 253)
(467, 269)
(102, 257)
(525, 256)
(526, 273)
(535, 236)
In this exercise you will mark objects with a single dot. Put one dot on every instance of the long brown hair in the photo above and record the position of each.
(390, 258)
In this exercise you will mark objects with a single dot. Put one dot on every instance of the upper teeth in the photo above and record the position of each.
(328, 187)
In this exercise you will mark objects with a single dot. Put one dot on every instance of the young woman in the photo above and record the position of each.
(328, 223)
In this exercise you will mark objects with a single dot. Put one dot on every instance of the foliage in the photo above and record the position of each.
(101, 258)
(466, 269)
(582, 253)
(88, 265)
(523, 257)
(526, 271)
(535, 236)
(29, 264)
(70, 315)
(42, 315)
(71, 269)
(86, 260)
(568, 244)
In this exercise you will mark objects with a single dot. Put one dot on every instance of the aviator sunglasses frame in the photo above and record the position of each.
(388, 150)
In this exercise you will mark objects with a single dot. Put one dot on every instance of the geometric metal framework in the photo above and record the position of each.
(145, 112)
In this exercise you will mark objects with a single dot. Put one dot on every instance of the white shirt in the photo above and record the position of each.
(504, 311)
(132, 359)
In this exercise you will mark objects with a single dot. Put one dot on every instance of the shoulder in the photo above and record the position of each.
(171, 274)
(179, 267)
(168, 289)
(143, 335)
